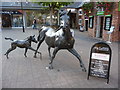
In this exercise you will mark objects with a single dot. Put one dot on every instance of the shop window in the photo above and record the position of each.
(91, 21)
(80, 12)
(17, 21)
(80, 21)
(108, 20)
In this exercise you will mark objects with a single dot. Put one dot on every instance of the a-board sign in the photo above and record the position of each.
(100, 59)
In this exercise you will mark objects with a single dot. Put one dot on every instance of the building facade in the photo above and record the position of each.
(15, 14)
(101, 21)
(76, 15)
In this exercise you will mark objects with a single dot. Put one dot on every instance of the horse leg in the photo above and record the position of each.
(53, 56)
(35, 51)
(41, 38)
(74, 52)
(25, 52)
(13, 47)
(49, 52)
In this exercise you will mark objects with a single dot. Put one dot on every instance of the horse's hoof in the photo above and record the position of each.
(84, 70)
(25, 56)
(50, 67)
(35, 56)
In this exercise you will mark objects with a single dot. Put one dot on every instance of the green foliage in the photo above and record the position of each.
(107, 6)
(54, 5)
(88, 6)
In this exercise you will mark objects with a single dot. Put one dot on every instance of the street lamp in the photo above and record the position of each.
(21, 5)
(22, 17)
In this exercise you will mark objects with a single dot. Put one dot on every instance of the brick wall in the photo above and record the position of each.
(115, 18)
(115, 36)
(92, 32)
(115, 23)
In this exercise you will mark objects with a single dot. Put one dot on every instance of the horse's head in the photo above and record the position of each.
(67, 32)
(64, 18)
(32, 38)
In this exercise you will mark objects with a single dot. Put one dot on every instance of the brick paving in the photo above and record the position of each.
(21, 72)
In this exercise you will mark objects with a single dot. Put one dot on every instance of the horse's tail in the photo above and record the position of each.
(6, 38)
(41, 36)
(42, 33)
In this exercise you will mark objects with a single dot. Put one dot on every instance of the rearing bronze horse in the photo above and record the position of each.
(61, 39)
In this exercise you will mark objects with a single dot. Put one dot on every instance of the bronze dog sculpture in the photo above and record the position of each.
(26, 43)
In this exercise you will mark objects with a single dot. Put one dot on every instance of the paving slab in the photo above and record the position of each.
(21, 72)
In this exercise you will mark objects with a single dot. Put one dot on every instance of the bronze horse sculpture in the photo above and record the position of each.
(61, 39)
(26, 43)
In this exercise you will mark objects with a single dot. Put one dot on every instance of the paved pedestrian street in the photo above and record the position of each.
(29, 72)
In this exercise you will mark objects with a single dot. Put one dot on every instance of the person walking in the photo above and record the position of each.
(34, 24)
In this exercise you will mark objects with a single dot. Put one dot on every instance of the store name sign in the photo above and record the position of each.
(102, 48)
(100, 13)
(9, 12)
(100, 56)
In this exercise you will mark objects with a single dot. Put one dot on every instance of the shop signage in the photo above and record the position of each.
(100, 59)
(108, 20)
(91, 21)
(10, 12)
(100, 13)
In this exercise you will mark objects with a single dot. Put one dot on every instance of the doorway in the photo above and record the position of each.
(101, 26)
(86, 25)
(6, 20)
(99, 30)
(72, 20)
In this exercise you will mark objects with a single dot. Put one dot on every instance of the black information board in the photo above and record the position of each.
(100, 59)
(108, 20)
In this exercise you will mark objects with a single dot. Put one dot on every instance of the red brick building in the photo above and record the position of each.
(101, 21)
(76, 15)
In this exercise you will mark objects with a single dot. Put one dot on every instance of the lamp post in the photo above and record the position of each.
(22, 17)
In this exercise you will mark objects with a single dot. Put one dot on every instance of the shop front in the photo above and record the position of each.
(11, 18)
(102, 22)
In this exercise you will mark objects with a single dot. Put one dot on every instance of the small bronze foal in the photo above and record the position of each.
(21, 44)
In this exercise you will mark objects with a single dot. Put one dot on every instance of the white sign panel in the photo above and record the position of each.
(99, 56)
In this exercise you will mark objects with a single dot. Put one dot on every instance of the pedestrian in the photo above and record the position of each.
(34, 24)
(15, 22)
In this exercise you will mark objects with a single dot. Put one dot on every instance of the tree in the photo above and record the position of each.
(52, 6)
(88, 6)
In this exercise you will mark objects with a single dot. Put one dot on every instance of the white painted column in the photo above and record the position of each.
(98, 27)
(24, 19)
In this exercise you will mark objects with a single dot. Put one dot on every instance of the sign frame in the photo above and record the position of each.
(105, 71)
